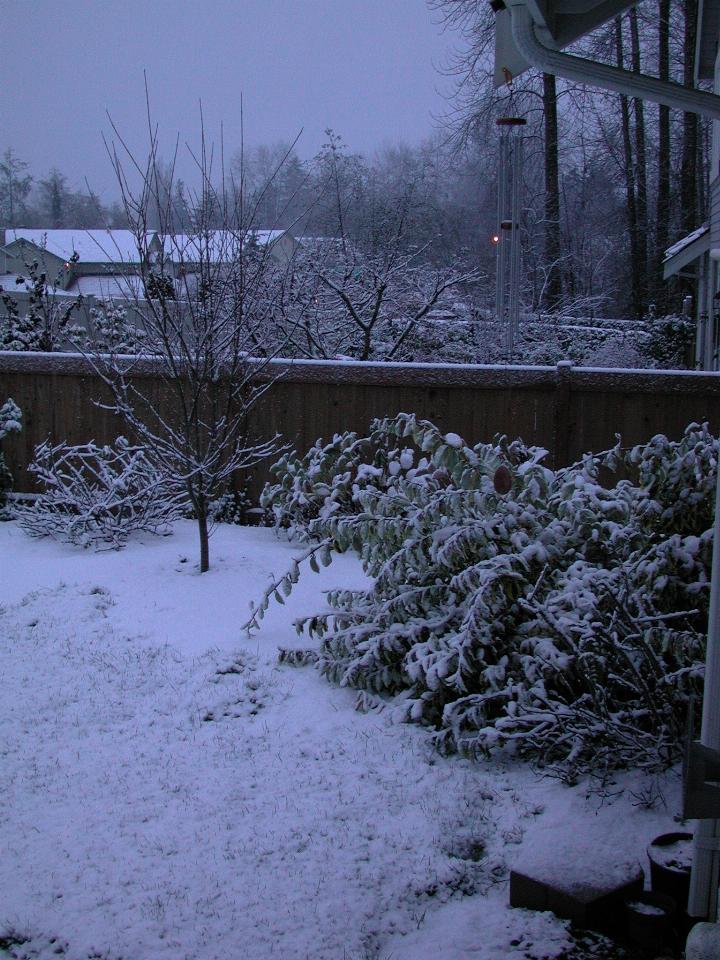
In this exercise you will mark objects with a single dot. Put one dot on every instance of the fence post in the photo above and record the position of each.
(561, 418)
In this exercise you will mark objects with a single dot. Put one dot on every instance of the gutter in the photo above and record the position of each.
(531, 46)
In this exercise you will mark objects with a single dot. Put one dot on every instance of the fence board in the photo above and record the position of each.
(568, 410)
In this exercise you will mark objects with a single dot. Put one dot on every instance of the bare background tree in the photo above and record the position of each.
(609, 184)
(206, 297)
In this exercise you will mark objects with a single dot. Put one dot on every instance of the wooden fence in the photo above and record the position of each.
(569, 410)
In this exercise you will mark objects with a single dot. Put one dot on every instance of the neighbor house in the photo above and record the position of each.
(183, 253)
(78, 261)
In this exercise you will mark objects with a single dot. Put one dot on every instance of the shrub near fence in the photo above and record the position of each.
(569, 410)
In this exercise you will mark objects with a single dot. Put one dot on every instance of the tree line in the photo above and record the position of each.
(615, 180)
(610, 182)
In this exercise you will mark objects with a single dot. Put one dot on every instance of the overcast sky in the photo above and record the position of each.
(366, 68)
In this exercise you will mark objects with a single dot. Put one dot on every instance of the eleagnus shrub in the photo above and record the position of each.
(563, 618)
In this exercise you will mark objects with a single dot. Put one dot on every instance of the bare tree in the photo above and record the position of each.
(203, 302)
(376, 301)
(662, 203)
(364, 294)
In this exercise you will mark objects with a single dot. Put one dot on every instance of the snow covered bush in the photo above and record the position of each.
(325, 479)
(98, 495)
(10, 422)
(231, 507)
(45, 321)
(669, 340)
(512, 604)
(110, 329)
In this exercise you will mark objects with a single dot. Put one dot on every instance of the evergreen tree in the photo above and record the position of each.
(15, 186)
(54, 199)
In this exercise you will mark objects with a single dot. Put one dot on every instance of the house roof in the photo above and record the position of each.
(217, 246)
(685, 251)
(91, 246)
(560, 21)
(568, 20)
(112, 287)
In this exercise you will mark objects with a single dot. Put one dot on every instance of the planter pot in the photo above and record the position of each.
(649, 919)
(670, 858)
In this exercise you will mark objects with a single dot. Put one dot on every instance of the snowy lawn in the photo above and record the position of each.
(169, 791)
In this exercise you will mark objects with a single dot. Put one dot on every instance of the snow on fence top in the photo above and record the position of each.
(403, 374)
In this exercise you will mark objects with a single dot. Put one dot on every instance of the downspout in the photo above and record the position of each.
(581, 70)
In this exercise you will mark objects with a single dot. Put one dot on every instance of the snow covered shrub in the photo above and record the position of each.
(547, 612)
(98, 495)
(326, 480)
(44, 324)
(10, 422)
(669, 340)
(230, 507)
(109, 329)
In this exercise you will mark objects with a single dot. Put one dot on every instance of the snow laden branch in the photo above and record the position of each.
(354, 301)
(513, 606)
(98, 495)
(282, 586)
(206, 309)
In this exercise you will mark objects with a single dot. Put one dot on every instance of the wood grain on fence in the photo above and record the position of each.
(569, 410)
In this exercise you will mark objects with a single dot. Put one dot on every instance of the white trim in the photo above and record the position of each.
(530, 46)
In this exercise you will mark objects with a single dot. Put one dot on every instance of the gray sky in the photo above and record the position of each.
(363, 67)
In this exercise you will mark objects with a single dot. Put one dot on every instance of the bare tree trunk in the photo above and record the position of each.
(662, 208)
(631, 205)
(366, 345)
(553, 289)
(204, 544)
(641, 170)
(688, 175)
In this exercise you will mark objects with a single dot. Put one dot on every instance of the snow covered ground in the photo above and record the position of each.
(170, 791)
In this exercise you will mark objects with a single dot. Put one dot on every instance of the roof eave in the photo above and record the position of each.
(693, 251)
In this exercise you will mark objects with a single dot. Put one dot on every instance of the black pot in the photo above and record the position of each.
(649, 919)
(670, 873)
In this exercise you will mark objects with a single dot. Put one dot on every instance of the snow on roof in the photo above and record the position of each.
(267, 236)
(685, 242)
(9, 283)
(217, 245)
(110, 287)
(91, 246)
(314, 242)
